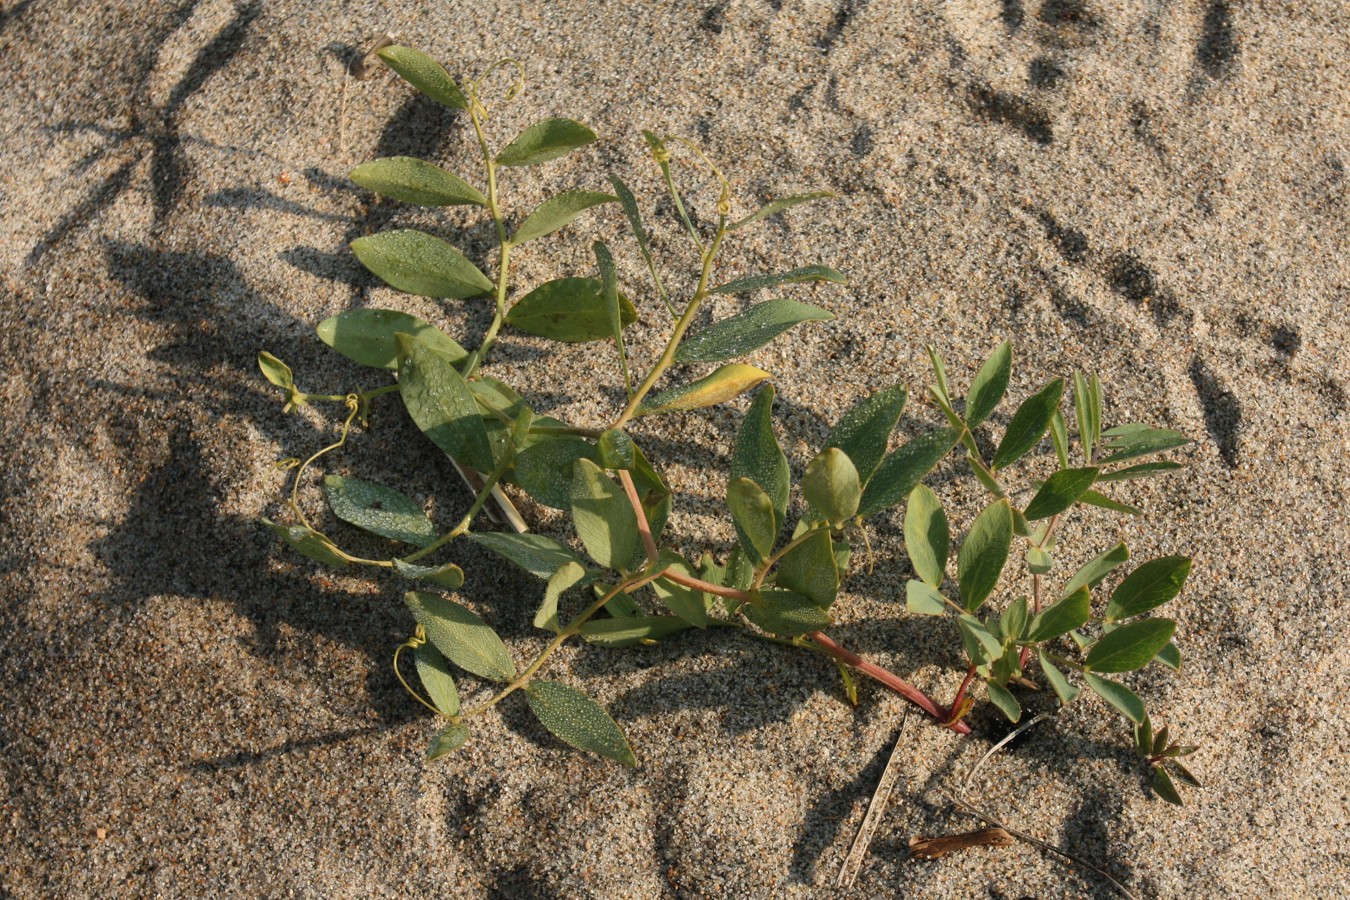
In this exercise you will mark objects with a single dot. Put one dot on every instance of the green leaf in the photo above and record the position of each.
(1061, 685)
(1060, 491)
(863, 431)
(982, 646)
(556, 212)
(1143, 738)
(1148, 587)
(425, 74)
(447, 740)
(753, 514)
(1130, 646)
(1097, 568)
(1162, 786)
(420, 263)
(1039, 561)
(544, 469)
(1092, 498)
(796, 276)
(942, 389)
(578, 720)
(447, 576)
(748, 330)
(904, 468)
(544, 141)
(758, 456)
(568, 309)
(539, 555)
(569, 574)
(773, 207)
(609, 290)
(414, 180)
(1170, 656)
(1028, 424)
(379, 510)
(989, 386)
(687, 603)
(1142, 470)
(461, 636)
(434, 672)
(786, 613)
(1118, 695)
(367, 336)
(727, 382)
(1184, 774)
(985, 551)
(1013, 622)
(1059, 436)
(308, 542)
(927, 535)
(924, 599)
(1089, 421)
(809, 569)
(603, 517)
(615, 448)
(630, 209)
(1134, 440)
(830, 485)
(1062, 617)
(1004, 700)
(441, 404)
(276, 371)
(630, 632)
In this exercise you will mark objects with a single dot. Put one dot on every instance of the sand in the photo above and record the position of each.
(1155, 192)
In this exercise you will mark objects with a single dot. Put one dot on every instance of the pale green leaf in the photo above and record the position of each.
(545, 468)
(276, 371)
(748, 330)
(367, 336)
(425, 74)
(1060, 491)
(1148, 587)
(1004, 700)
(985, 551)
(830, 485)
(773, 207)
(573, 310)
(544, 141)
(537, 554)
(414, 180)
(420, 263)
(727, 382)
(753, 514)
(310, 543)
(904, 468)
(989, 386)
(556, 212)
(1061, 617)
(448, 575)
(810, 569)
(757, 455)
(631, 632)
(441, 404)
(461, 636)
(864, 430)
(1064, 689)
(578, 720)
(927, 535)
(1118, 695)
(786, 612)
(603, 517)
(1028, 424)
(924, 599)
(1131, 646)
(434, 672)
(569, 575)
(379, 510)
(447, 740)
(1097, 568)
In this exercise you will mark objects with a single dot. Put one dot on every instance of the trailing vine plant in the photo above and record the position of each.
(619, 586)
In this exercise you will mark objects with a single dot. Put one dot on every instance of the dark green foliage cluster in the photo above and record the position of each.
(617, 585)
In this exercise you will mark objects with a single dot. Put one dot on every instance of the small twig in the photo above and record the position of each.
(875, 807)
(501, 510)
(938, 847)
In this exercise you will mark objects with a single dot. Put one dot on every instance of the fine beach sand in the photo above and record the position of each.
(1154, 192)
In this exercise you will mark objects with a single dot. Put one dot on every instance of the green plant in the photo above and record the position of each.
(626, 589)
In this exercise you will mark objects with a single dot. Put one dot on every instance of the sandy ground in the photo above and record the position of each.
(1156, 192)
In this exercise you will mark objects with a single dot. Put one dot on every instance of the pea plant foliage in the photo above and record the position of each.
(991, 582)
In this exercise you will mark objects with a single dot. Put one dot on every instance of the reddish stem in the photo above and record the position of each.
(889, 679)
(643, 528)
(701, 585)
(961, 691)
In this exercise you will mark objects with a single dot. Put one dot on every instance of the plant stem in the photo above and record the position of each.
(504, 259)
(668, 357)
(465, 522)
(889, 679)
(644, 528)
(764, 567)
(701, 585)
(961, 691)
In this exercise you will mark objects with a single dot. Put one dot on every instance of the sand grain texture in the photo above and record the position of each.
(1157, 192)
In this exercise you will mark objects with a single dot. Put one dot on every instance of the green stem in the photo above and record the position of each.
(464, 523)
(365, 396)
(353, 404)
(504, 260)
(668, 357)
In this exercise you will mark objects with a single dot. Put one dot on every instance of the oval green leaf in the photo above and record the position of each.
(927, 535)
(985, 551)
(556, 212)
(425, 74)
(630, 632)
(748, 330)
(773, 207)
(758, 456)
(537, 554)
(603, 517)
(989, 386)
(1118, 695)
(1064, 689)
(1062, 617)
(830, 485)
(367, 336)
(578, 720)
(1060, 491)
(447, 740)
(1004, 700)
(544, 141)
(786, 613)
(753, 514)
(796, 276)
(687, 603)
(436, 678)
(1097, 569)
(904, 468)
(865, 429)
(722, 385)
(1148, 587)
(310, 543)
(924, 599)
(379, 510)
(414, 180)
(461, 636)
(276, 371)
(1028, 424)
(420, 263)
(568, 576)
(810, 569)
(545, 468)
(447, 576)
(441, 404)
(1130, 646)
(568, 309)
